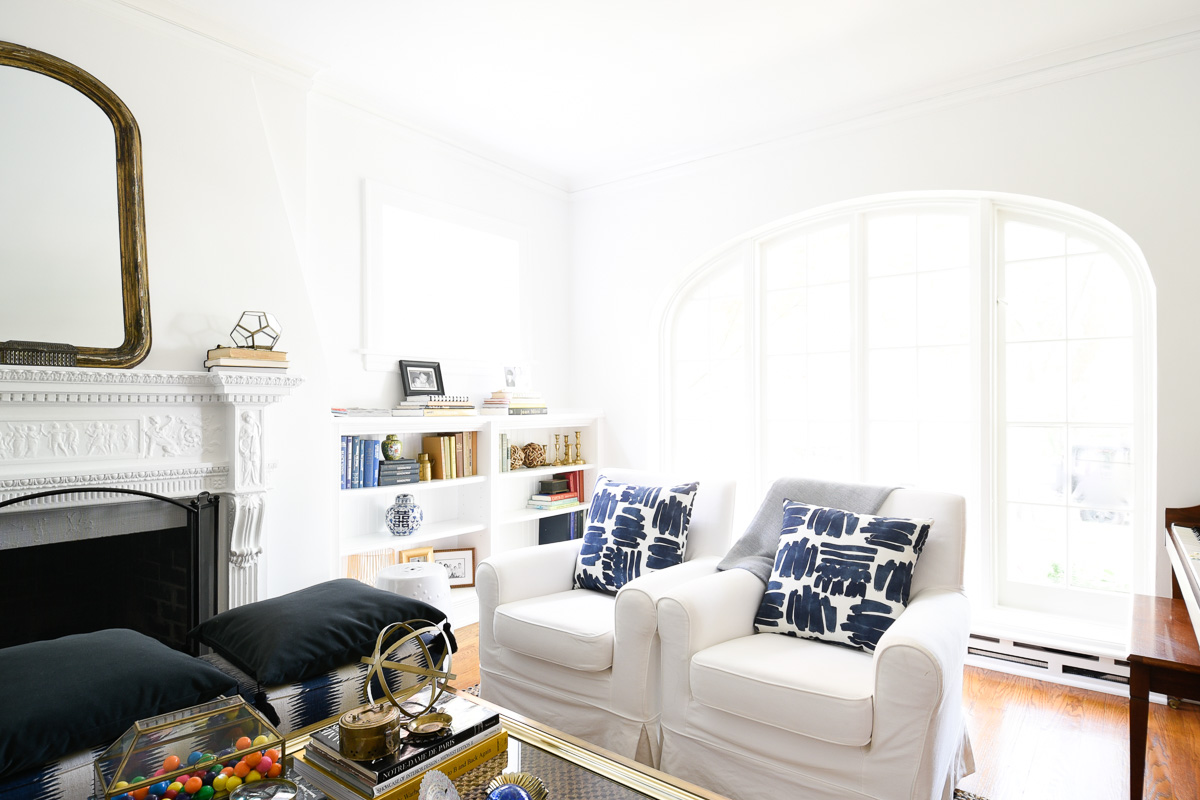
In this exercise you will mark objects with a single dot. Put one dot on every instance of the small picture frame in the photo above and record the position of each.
(516, 378)
(416, 555)
(459, 565)
(421, 377)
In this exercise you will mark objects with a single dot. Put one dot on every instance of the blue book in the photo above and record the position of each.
(345, 465)
(372, 455)
(356, 462)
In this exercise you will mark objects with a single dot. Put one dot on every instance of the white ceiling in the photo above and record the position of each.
(579, 92)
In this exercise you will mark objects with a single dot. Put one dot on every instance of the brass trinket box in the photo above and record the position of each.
(370, 732)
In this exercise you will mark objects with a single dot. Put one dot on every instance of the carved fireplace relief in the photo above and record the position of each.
(170, 433)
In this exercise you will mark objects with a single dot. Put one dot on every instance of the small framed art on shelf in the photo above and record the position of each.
(421, 377)
(459, 565)
(417, 554)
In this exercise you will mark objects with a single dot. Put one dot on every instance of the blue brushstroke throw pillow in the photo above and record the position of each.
(632, 530)
(838, 576)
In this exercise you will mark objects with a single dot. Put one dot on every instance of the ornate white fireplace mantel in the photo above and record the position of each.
(170, 433)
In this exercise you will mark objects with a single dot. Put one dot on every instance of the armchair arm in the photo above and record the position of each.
(520, 574)
(918, 686)
(704, 612)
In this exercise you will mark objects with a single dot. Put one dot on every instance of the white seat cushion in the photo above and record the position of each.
(573, 628)
(804, 686)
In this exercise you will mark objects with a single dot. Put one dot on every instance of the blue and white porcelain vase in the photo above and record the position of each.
(404, 517)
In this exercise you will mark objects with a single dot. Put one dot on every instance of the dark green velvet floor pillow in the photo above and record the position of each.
(303, 634)
(85, 690)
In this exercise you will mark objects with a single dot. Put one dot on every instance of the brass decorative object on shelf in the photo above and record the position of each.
(567, 460)
(424, 467)
(558, 462)
(369, 732)
(578, 451)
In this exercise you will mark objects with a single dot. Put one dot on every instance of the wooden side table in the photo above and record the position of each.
(1163, 657)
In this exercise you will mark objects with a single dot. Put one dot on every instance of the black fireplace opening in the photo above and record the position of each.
(158, 582)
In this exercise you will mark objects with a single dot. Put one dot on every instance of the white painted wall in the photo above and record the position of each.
(1119, 143)
(252, 196)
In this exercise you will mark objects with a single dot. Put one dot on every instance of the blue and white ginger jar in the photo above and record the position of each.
(404, 517)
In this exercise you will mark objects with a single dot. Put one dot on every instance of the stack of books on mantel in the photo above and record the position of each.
(476, 738)
(514, 403)
(246, 358)
(561, 491)
(435, 405)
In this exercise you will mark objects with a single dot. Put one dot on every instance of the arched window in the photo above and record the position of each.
(996, 347)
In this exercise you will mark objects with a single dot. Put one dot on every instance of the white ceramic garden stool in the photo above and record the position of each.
(420, 580)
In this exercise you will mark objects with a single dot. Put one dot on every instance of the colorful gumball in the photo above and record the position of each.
(241, 770)
(264, 765)
(228, 771)
(272, 754)
(160, 788)
(176, 786)
(243, 743)
(218, 783)
(260, 740)
(171, 794)
(232, 783)
(205, 793)
(121, 785)
(252, 758)
(193, 785)
(140, 794)
(195, 756)
(171, 763)
(276, 770)
(253, 776)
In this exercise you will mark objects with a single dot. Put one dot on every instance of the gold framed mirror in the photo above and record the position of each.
(66, 258)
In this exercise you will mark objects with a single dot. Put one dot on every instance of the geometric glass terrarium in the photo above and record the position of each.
(208, 750)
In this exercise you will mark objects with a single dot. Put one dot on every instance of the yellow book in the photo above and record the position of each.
(435, 448)
(448, 455)
(452, 768)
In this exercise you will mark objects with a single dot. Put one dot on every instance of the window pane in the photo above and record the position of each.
(943, 241)
(1035, 300)
(892, 452)
(829, 318)
(1101, 387)
(1098, 300)
(1101, 550)
(784, 261)
(786, 322)
(891, 244)
(1035, 468)
(1102, 468)
(944, 307)
(944, 384)
(1035, 382)
(1036, 544)
(892, 311)
(787, 385)
(830, 454)
(892, 384)
(829, 255)
(1023, 241)
(948, 458)
(831, 392)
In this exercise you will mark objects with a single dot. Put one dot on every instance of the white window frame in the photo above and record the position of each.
(744, 253)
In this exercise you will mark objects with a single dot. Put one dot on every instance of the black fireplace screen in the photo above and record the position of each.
(161, 583)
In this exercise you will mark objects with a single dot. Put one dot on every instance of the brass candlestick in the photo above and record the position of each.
(558, 462)
(578, 451)
(567, 458)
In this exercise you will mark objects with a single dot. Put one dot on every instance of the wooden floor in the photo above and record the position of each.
(1038, 740)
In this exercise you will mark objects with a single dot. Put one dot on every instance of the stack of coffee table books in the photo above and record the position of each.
(475, 737)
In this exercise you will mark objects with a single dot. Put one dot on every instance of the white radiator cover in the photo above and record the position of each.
(170, 433)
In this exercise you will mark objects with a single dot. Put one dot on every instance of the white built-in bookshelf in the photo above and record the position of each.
(486, 511)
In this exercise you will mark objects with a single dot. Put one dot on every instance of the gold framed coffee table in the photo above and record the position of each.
(571, 768)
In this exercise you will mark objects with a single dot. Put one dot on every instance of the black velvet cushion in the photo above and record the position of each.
(303, 634)
(85, 690)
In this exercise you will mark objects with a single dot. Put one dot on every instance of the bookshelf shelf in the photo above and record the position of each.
(486, 511)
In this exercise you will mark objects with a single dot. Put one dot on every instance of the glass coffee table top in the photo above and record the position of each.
(570, 768)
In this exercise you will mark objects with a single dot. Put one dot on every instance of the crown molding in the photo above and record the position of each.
(1136, 47)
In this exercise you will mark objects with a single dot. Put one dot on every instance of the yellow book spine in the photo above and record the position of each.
(452, 768)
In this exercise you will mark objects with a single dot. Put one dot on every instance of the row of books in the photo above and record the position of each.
(248, 358)
(435, 405)
(562, 490)
(514, 403)
(452, 455)
(364, 467)
(476, 737)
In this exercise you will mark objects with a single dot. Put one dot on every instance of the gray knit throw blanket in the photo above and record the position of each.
(755, 551)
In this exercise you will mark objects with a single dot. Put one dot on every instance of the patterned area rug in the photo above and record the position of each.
(959, 794)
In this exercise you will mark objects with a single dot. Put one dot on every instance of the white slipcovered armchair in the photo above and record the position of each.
(583, 661)
(753, 715)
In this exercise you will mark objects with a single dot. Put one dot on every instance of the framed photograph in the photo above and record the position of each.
(421, 377)
(417, 554)
(516, 378)
(459, 565)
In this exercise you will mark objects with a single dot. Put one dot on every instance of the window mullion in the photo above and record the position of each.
(858, 339)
